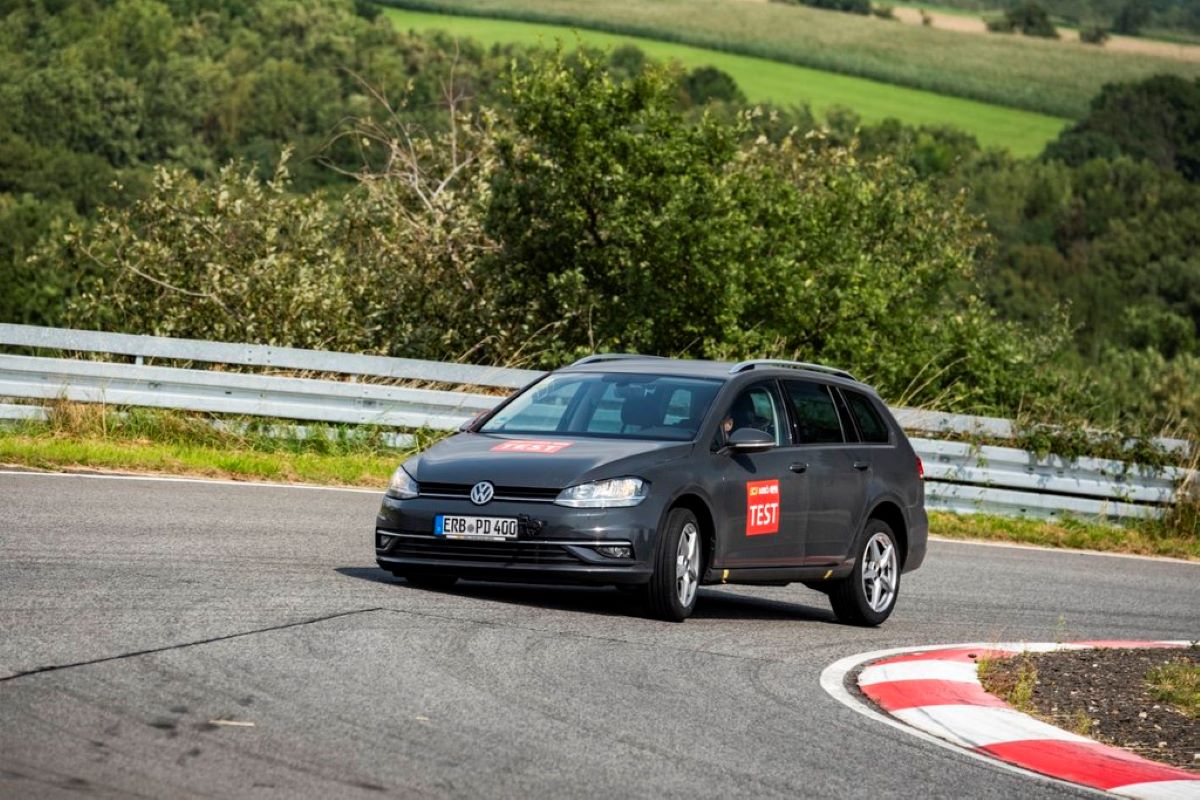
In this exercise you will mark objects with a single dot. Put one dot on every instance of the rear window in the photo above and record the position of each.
(816, 416)
(615, 405)
(870, 424)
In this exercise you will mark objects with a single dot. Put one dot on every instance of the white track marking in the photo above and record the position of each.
(1160, 790)
(931, 670)
(976, 726)
(207, 481)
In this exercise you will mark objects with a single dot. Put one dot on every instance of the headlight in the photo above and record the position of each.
(613, 493)
(402, 485)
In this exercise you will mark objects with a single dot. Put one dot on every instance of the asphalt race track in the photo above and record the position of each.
(134, 613)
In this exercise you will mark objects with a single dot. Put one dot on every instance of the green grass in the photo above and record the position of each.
(1147, 539)
(205, 461)
(762, 80)
(1177, 683)
(1022, 72)
(177, 443)
(1014, 687)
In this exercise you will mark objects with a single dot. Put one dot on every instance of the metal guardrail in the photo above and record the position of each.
(960, 476)
(257, 355)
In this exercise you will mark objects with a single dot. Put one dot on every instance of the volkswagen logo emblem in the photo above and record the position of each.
(481, 493)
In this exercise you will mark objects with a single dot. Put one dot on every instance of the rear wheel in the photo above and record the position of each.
(671, 592)
(868, 594)
(428, 581)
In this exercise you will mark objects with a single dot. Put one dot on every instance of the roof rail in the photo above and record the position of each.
(600, 357)
(742, 366)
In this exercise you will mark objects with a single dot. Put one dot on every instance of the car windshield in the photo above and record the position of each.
(613, 405)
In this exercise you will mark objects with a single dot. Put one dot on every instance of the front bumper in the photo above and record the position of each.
(555, 544)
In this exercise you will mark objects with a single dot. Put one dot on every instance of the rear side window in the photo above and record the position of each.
(816, 416)
(870, 424)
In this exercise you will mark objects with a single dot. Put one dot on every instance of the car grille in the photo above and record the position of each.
(463, 491)
(481, 552)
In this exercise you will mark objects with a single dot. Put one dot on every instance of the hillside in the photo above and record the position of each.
(763, 80)
(1021, 72)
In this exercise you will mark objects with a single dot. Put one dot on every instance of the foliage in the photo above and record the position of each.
(661, 238)
(1157, 119)
(883, 11)
(1093, 34)
(1028, 18)
(1177, 682)
(1133, 16)
(705, 85)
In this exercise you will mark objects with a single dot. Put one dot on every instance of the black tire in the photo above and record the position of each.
(848, 595)
(435, 582)
(662, 593)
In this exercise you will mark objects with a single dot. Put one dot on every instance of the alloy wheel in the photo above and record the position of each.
(687, 564)
(879, 572)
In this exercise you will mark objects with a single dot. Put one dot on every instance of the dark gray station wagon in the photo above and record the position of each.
(662, 475)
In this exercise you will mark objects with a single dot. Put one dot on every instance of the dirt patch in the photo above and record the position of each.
(1103, 694)
(961, 23)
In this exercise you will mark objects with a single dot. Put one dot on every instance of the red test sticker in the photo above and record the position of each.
(762, 507)
(530, 446)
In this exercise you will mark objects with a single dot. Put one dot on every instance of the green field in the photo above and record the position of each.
(1023, 132)
(1023, 72)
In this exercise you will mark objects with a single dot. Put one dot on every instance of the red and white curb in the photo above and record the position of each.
(935, 693)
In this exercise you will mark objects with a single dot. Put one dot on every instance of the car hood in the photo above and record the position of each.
(550, 462)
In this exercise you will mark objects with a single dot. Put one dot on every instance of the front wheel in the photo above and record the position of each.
(671, 592)
(868, 594)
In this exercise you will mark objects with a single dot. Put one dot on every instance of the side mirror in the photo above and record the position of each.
(750, 440)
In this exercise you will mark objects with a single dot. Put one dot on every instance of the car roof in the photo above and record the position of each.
(721, 370)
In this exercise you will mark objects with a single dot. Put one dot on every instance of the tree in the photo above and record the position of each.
(1132, 17)
(1032, 20)
(1157, 119)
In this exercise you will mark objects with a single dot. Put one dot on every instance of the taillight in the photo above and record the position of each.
(920, 468)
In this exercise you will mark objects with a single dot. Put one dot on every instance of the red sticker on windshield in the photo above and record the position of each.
(762, 507)
(530, 446)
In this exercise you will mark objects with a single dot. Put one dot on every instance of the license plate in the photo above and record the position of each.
(485, 529)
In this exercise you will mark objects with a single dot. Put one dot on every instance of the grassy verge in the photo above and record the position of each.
(183, 459)
(1151, 538)
(1017, 71)
(763, 80)
(173, 443)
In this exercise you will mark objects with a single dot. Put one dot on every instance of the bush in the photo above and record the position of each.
(1093, 34)
(1028, 18)
(883, 11)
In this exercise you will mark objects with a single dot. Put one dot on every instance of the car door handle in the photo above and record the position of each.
(798, 468)
(862, 466)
